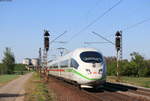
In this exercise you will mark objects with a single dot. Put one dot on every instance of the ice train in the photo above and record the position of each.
(84, 66)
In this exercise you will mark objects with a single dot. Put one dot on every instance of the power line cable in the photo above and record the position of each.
(94, 21)
(127, 28)
(139, 23)
(58, 36)
(134, 25)
(103, 37)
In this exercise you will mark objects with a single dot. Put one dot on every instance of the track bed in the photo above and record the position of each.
(110, 92)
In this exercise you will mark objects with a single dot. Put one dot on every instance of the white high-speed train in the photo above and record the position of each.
(84, 66)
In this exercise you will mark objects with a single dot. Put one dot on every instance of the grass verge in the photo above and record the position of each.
(7, 78)
(141, 81)
(37, 90)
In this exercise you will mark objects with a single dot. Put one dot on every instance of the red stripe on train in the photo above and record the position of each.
(60, 70)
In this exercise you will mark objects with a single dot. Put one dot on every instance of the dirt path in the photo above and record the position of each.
(14, 91)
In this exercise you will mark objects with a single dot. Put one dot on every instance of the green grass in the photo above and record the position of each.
(6, 78)
(37, 90)
(21, 72)
(141, 81)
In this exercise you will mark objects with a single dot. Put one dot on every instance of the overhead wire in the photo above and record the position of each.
(133, 26)
(58, 36)
(127, 28)
(103, 38)
(136, 24)
(94, 21)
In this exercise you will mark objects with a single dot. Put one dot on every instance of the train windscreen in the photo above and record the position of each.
(91, 57)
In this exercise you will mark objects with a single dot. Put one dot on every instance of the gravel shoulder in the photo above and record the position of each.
(14, 90)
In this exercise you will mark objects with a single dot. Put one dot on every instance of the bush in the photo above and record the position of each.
(20, 68)
(137, 67)
(8, 61)
(2, 69)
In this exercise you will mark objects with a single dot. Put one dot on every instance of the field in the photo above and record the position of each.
(7, 78)
(141, 81)
(37, 90)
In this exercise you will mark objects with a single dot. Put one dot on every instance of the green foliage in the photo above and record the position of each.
(6, 78)
(125, 68)
(139, 81)
(145, 71)
(8, 61)
(138, 62)
(37, 90)
(2, 69)
(137, 67)
(20, 68)
(8, 65)
(111, 65)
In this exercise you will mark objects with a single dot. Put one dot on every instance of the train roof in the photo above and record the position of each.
(84, 49)
(72, 53)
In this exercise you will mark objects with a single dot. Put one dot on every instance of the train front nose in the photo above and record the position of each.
(96, 73)
(92, 66)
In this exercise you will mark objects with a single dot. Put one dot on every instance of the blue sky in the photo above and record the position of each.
(22, 23)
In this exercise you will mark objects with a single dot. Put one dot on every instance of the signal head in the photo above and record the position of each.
(118, 33)
(46, 33)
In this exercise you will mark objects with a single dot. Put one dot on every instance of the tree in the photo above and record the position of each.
(1, 69)
(125, 69)
(145, 71)
(20, 68)
(111, 65)
(8, 61)
(138, 61)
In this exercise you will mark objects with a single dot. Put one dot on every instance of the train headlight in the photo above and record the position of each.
(94, 65)
(88, 71)
(100, 71)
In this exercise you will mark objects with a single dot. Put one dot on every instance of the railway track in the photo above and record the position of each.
(110, 92)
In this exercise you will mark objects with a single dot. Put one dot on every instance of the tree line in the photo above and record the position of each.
(138, 66)
(8, 65)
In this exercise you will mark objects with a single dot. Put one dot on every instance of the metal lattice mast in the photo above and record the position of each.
(118, 44)
(121, 54)
(46, 48)
(40, 57)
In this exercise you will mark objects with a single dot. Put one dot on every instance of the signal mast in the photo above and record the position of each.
(118, 45)
(46, 47)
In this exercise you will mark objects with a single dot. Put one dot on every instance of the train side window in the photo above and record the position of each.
(52, 66)
(55, 66)
(64, 64)
(74, 64)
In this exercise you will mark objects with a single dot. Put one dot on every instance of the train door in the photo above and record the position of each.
(70, 74)
(59, 72)
(75, 66)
